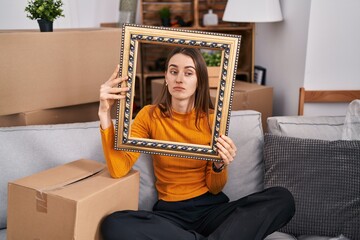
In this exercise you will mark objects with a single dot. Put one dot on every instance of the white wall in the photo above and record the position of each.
(78, 14)
(281, 48)
(333, 51)
(316, 46)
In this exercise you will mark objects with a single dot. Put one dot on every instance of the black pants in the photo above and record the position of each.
(205, 217)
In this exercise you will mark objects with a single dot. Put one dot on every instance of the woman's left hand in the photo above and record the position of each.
(226, 149)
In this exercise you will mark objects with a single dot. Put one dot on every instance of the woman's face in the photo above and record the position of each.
(181, 78)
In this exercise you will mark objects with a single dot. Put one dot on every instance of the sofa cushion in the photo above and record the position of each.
(3, 234)
(30, 149)
(148, 193)
(324, 177)
(324, 127)
(246, 172)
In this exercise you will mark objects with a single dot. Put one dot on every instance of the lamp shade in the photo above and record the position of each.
(252, 11)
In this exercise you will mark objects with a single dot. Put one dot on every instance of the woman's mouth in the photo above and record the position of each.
(178, 88)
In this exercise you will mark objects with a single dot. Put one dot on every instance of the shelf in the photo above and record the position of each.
(201, 28)
(190, 11)
(222, 28)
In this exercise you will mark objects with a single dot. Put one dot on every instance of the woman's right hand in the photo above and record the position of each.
(109, 92)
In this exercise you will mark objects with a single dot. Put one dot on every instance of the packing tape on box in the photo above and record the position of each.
(41, 202)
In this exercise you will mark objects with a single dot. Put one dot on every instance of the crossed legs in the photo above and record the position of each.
(251, 217)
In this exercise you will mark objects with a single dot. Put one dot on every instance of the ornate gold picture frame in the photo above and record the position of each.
(134, 35)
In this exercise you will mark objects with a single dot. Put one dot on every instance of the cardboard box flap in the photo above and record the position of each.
(61, 176)
(84, 189)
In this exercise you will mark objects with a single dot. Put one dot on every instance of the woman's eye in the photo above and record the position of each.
(173, 72)
(189, 73)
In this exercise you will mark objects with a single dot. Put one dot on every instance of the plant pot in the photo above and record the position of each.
(166, 22)
(45, 25)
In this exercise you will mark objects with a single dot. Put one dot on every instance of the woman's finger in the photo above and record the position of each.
(106, 92)
(228, 145)
(224, 158)
(114, 96)
(229, 141)
(115, 73)
(116, 90)
(224, 154)
(115, 82)
(226, 148)
(114, 78)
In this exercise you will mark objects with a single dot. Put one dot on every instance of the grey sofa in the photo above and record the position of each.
(30, 149)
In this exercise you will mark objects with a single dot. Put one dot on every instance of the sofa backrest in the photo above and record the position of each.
(30, 149)
(314, 127)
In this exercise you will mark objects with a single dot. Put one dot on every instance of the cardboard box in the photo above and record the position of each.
(70, 114)
(68, 202)
(251, 96)
(247, 96)
(214, 76)
(56, 69)
(156, 87)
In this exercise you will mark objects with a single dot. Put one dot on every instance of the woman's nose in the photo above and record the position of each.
(179, 78)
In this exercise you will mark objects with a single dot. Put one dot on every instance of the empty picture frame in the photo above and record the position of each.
(134, 35)
(260, 75)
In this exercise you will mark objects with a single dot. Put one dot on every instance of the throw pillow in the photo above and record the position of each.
(324, 178)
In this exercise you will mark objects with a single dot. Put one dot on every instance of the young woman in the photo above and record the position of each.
(191, 203)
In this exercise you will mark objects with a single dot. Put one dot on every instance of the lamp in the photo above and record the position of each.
(252, 11)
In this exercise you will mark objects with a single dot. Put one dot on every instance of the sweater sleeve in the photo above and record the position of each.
(119, 163)
(215, 181)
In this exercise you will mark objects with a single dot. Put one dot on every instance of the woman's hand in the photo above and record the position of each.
(226, 149)
(109, 92)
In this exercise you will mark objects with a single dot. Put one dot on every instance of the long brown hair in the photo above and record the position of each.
(203, 102)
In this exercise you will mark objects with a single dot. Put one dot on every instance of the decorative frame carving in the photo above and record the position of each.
(132, 35)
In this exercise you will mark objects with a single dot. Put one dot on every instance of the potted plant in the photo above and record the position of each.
(165, 16)
(45, 12)
(213, 61)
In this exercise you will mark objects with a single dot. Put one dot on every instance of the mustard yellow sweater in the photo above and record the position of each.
(177, 178)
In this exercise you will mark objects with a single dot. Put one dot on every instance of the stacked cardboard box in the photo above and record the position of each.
(70, 114)
(54, 70)
(251, 96)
